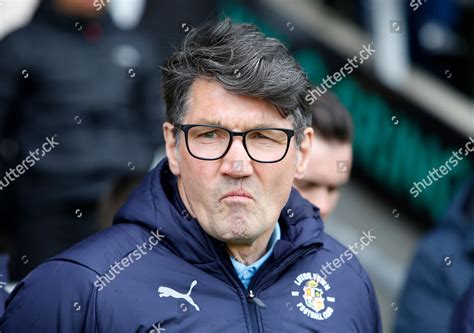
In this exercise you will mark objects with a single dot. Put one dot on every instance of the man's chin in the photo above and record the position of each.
(237, 233)
(238, 240)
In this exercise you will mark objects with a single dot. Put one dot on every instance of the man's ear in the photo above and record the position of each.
(303, 153)
(171, 148)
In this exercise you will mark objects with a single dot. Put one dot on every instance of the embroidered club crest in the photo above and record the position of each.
(314, 299)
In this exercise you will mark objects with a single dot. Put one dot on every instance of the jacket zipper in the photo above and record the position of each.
(244, 296)
(251, 299)
(255, 299)
(252, 306)
(234, 279)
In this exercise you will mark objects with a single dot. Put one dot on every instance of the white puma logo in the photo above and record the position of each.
(167, 292)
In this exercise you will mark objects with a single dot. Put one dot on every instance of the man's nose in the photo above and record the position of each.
(237, 163)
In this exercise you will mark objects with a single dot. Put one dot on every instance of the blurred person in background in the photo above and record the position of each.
(72, 81)
(331, 154)
(441, 270)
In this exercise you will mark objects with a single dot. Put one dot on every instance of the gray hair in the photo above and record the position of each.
(245, 62)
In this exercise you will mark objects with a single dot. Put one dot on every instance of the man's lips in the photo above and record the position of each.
(238, 193)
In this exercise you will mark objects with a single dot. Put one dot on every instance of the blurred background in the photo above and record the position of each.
(87, 72)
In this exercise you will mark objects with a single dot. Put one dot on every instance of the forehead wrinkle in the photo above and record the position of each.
(238, 124)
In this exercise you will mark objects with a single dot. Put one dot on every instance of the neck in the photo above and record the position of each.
(247, 254)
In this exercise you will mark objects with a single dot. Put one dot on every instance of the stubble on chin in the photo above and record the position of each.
(237, 224)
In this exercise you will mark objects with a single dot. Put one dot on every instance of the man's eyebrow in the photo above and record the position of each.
(205, 121)
(263, 125)
(218, 123)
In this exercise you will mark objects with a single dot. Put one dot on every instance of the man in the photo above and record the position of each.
(214, 239)
(71, 86)
(330, 161)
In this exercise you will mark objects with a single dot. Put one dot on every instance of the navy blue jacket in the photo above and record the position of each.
(178, 278)
(3, 281)
(463, 318)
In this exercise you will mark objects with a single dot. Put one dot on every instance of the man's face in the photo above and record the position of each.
(203, 184)
(328, 169)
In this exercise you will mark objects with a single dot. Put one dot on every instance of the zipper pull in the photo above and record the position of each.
(253, 298)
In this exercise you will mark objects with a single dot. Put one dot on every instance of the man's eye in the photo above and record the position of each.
(208, 135)
(264, 137)
(261, 136)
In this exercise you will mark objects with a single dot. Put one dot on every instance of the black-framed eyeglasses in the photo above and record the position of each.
(211, 142)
